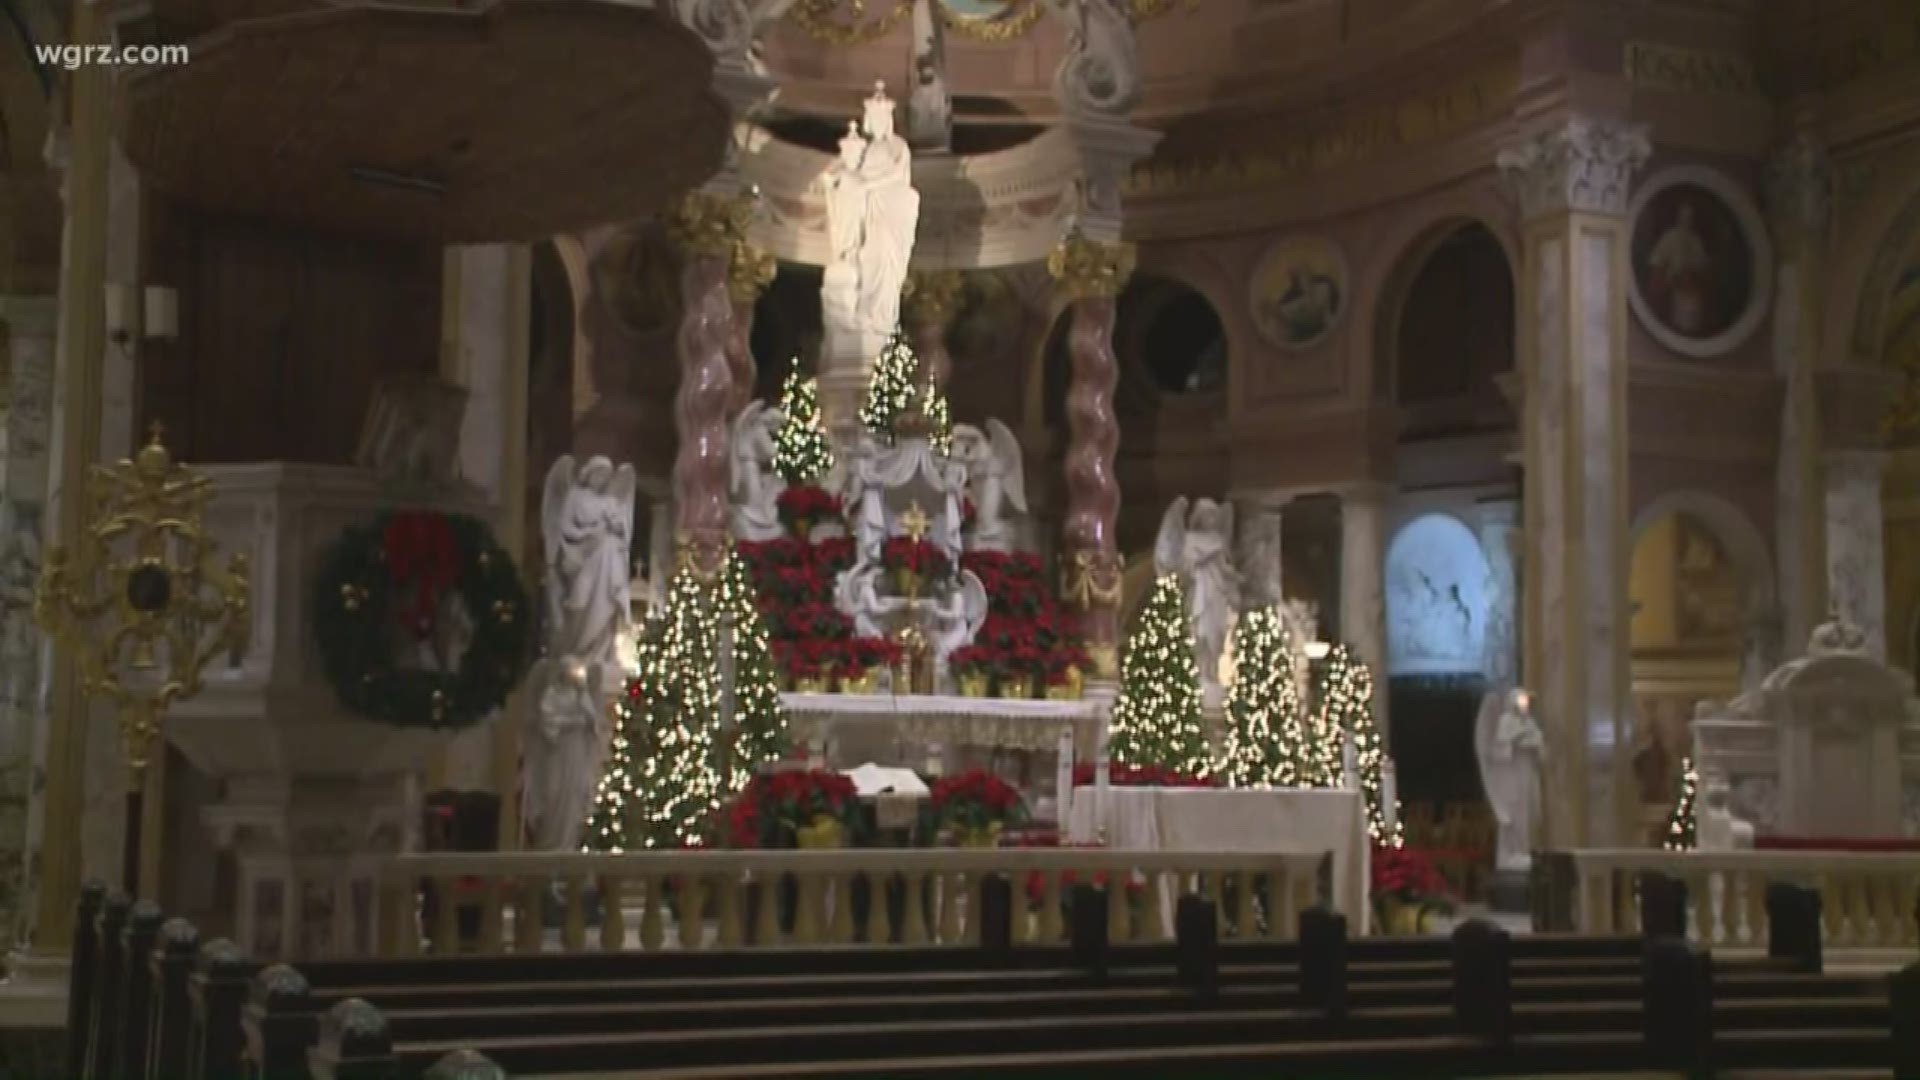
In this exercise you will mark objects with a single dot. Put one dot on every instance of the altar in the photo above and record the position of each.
(1207, 819)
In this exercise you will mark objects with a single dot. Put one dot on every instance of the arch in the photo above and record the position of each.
(1436, 598)
(1168, 333)
(1878, 241)
(1744, 542)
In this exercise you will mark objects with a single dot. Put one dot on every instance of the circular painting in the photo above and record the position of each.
(1299, 292)
(1701, 267)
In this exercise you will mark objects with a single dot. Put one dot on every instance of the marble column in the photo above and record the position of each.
(1856, 559)
(1571, 183)
(749, 271)
(53, 858)
(1799, 187)
(1091, 276)
(1363, 597)
(707, 226)
(928, 303)
(1499, 521)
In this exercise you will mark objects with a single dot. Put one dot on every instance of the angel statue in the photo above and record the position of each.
(1512, 752)
(996, 479)
(1258, 559)
(569, 732)
(952, 624)
(587, 519)
(756, 486)
(1198, 548)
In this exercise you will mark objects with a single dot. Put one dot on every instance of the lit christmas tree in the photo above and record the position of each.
(668, 772)
(1681, 834)
(1156, 720)
(890, 389)
(1346, 710)
(1267, 737)
(801, 453)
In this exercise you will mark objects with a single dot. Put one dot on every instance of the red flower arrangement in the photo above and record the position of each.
(971, 660)
(773, 806)
(862, 654)
(1406, 874)
(921, 557)
(1119, 775)
(976, 801)
(806, 505)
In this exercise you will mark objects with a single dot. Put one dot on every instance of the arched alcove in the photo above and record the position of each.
(1169, 336)
(1454, 334)
(786, 327)
(1436, 601)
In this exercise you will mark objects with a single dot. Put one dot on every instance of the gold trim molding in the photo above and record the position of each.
(1087, 268)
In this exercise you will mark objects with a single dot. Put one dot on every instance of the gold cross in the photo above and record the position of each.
(914, 521)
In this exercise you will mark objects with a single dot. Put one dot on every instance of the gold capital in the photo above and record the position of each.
(749, 271)
(933, 295)
(711, 224)
(1087, 268)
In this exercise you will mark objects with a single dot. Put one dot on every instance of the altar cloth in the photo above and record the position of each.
(1214, 820)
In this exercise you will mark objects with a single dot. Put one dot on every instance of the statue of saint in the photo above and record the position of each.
(569, 732)
(893, 214)
(1512, 751)
(587, 519)
(756, 485)
(996, 477)
(1198, 546)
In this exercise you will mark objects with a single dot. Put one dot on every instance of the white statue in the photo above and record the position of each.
(893, 214)
(1258, 559)
(996, 476)
(568, 734)
(587, 519)
(1716, 828)
(1100, 74)
(929, 104)
(1512, 751)
(756, 486)
(1198, 547)
(953, 623)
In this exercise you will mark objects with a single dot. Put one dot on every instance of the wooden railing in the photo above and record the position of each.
(763, 899)
(1867, 899)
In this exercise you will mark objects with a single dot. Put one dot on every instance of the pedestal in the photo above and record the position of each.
(1511, 893)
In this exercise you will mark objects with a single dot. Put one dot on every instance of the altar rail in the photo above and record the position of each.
(1867, 898)
(733, 899)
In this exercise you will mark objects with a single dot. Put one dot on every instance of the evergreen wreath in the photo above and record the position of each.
(389, 581)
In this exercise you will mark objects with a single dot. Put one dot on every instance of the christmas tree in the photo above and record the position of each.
(1681, 834)
(897, 386)
(801, 454)
(669, 769)
(1267, 737)
(1346, 708)
(1156, 720)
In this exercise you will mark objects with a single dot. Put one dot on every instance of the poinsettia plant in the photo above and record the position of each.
(773, 807)
(974, 660)
(807, 503)
(976, 801)
(863, 654)
(1119, 775)
(1408, 875)
(1063, 662)
(918, 556)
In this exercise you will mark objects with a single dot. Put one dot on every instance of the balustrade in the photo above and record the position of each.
(649, 901)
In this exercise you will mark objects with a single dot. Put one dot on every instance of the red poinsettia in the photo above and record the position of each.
(1119, 775)
(807, 503)
(921, 557)
(774, 805)
(971, 660)
(1063, 661)
(976, 800)
(1407, 874)
(833, 555)
(863, 654)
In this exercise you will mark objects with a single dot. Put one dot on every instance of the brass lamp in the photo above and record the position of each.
(140, 604)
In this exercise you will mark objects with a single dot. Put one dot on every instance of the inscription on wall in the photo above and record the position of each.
(1689, 71)
(1352, 139)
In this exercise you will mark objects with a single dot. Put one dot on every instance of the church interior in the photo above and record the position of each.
(959, 538)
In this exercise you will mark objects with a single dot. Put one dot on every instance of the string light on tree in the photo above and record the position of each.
(1157, 719)
(890, 389)
(1346, 709)
(670, 767)
(1268, 743)
(802, 453)
(1682, 834)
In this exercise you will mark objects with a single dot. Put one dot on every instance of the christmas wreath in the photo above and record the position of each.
(430, 585)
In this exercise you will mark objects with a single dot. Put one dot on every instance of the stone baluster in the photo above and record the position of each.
(1570, 183)
(930, 300)
(707, 226)
(750, 270)
(1799, 189)
(1092, 275)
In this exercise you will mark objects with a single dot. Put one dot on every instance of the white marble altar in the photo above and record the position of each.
(1828, 746)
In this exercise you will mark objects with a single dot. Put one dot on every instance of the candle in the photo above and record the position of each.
(120, 313)
(163, 312)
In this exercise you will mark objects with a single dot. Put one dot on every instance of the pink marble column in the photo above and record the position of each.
(1091, 275)
(930, 300)
(749, 271)
(706, 226)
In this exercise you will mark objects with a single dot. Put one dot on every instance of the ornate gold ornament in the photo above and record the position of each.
(1087, 268)
(1009, 23)
(705, 558)
(1088, 583)
(846, 22)
(933, 295)
(139, 601)
(1153, 9)
(749, 271)
(711, 224)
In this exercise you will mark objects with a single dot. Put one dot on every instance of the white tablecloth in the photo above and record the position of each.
(1203, 819)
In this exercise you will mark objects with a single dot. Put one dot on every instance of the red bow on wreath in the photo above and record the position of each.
(424, 563)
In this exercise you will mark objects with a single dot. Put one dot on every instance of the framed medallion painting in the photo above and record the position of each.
(1701, 270)
(1298, 293)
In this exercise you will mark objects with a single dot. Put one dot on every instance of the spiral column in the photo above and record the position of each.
(708, 227)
